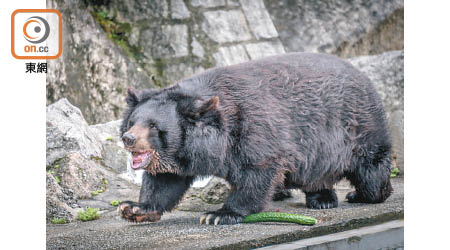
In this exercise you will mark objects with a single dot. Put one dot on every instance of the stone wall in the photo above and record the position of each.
(344, 28)
(186, 37)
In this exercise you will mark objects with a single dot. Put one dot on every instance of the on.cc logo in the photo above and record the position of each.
(39, 29)
(36, 34)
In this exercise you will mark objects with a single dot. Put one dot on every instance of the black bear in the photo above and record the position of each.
(299, 120)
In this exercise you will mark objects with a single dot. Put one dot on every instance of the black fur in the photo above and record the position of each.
(281, 194)
(322, 199)
(298, 120)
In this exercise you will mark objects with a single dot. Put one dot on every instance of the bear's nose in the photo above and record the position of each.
(128, 139)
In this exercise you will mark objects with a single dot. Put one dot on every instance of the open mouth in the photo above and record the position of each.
(142, 159)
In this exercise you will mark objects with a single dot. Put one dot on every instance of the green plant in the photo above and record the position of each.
(103, 14)
(52, 172)
(116, 31)
(109, 138)
(59, 221)
(88, 214)
(115, 203)
(395, 172)
(96, 192)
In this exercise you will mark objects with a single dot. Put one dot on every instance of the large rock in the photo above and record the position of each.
(92, 72)
(345, 28)
(204, 198)
(216, 191)
(68, 132)
(115, 156)
(85, 164)
(83, 176)
(60, 202)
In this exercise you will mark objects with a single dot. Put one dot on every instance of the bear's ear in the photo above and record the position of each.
(132, 98)
(196, 108)
(202, 107)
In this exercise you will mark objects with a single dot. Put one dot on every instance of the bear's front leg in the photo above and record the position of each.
(158, 194)
(249, 195)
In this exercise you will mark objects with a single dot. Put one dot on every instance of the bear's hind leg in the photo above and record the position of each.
(281, 194)
(370, 175)
(322, 199)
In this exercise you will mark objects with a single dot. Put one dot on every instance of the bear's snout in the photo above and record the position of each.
(128, 139)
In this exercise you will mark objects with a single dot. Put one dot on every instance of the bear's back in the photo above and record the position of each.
(298, 106)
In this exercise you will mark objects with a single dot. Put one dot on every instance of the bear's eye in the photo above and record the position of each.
(151, 125)
(130, 124)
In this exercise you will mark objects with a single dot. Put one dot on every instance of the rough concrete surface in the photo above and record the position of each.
(181, 229)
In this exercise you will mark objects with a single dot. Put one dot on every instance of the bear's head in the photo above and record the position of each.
(167, 131)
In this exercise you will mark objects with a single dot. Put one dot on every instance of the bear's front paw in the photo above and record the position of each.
(221, 217)
(131, 211)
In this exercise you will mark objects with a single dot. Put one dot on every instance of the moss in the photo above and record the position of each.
(59, 221)
(115, 203)
(98, 160)
(88, 214)
(55, 165)
(116, 31)
(105, 183)
(53, 173)
(96, 192)
(109, 138)
(159, 65)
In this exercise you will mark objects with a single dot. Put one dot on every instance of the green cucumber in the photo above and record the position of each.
(280, 217)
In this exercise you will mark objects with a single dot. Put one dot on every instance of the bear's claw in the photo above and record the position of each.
(132, 212)
(221, 218)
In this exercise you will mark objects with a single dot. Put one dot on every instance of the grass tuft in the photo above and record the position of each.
(59, 221)
(88, 214)
(115, 203)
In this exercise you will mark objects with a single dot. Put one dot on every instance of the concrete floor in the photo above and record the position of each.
(181, 229)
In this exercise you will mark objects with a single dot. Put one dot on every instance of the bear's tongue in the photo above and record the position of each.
(140, 160)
